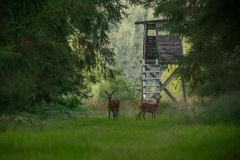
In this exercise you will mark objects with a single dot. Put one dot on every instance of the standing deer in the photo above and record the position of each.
(113, 105)
(147, 107)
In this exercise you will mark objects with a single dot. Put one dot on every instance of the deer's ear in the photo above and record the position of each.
(106, 92)
(113, 92)
(160, 97)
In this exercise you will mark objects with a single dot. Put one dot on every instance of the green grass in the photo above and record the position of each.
(97, 137)
(208, 129)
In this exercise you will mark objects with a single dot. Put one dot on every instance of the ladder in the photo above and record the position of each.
(150, 73)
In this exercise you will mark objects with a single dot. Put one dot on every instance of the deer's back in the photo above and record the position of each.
(149, 107)
(115, 104)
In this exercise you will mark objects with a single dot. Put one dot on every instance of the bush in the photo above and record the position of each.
(221, 109)
(70, 102)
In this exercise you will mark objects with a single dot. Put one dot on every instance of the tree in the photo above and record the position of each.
(212, 28)
(53, 47)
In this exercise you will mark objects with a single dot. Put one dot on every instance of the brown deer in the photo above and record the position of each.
(147, 107)
(113, 105)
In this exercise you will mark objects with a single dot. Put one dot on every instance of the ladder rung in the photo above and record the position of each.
(150, 71)
(150, 78)
(151, 86)
(148, 99)
(151, 92)
(150, 64)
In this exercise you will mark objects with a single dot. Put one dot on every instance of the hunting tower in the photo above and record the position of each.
(159, 49)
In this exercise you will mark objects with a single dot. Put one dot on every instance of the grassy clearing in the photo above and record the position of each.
(203, 130)
(96, 137)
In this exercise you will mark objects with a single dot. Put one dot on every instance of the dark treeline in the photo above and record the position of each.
(51, 48)
(55, 48)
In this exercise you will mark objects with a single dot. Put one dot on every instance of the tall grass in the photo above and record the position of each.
(98, 106)
(217, 110)
(214, 110)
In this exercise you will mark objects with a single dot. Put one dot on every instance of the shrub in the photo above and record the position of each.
(221, 109)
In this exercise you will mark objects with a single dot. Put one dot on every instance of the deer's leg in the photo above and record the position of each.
(144, 115)
(114, 114)
(139, 115)
(117, 113)
(154, 115)
(109, 114)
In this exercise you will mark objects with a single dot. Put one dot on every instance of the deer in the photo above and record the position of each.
(113, 105)
(147, 107)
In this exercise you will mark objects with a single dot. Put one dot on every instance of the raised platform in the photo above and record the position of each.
(153, 62)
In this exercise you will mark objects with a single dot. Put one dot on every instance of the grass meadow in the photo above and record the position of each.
(177, 133)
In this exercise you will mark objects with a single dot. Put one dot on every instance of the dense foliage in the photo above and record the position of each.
(53, 49)
(212, 30)
(50, 48)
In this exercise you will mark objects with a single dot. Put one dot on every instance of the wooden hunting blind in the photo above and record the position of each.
(159, 48)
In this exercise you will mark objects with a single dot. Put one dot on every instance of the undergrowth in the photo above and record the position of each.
(216, 110)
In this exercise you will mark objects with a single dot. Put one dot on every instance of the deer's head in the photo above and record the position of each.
(157, 98)
(109, 94)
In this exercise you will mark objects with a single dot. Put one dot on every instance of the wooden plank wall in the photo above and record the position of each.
(168, 47)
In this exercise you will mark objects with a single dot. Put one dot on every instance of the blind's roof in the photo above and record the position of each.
(152, 21)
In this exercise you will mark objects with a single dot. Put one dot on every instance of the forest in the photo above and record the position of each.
(60, 58)
(49, 52)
